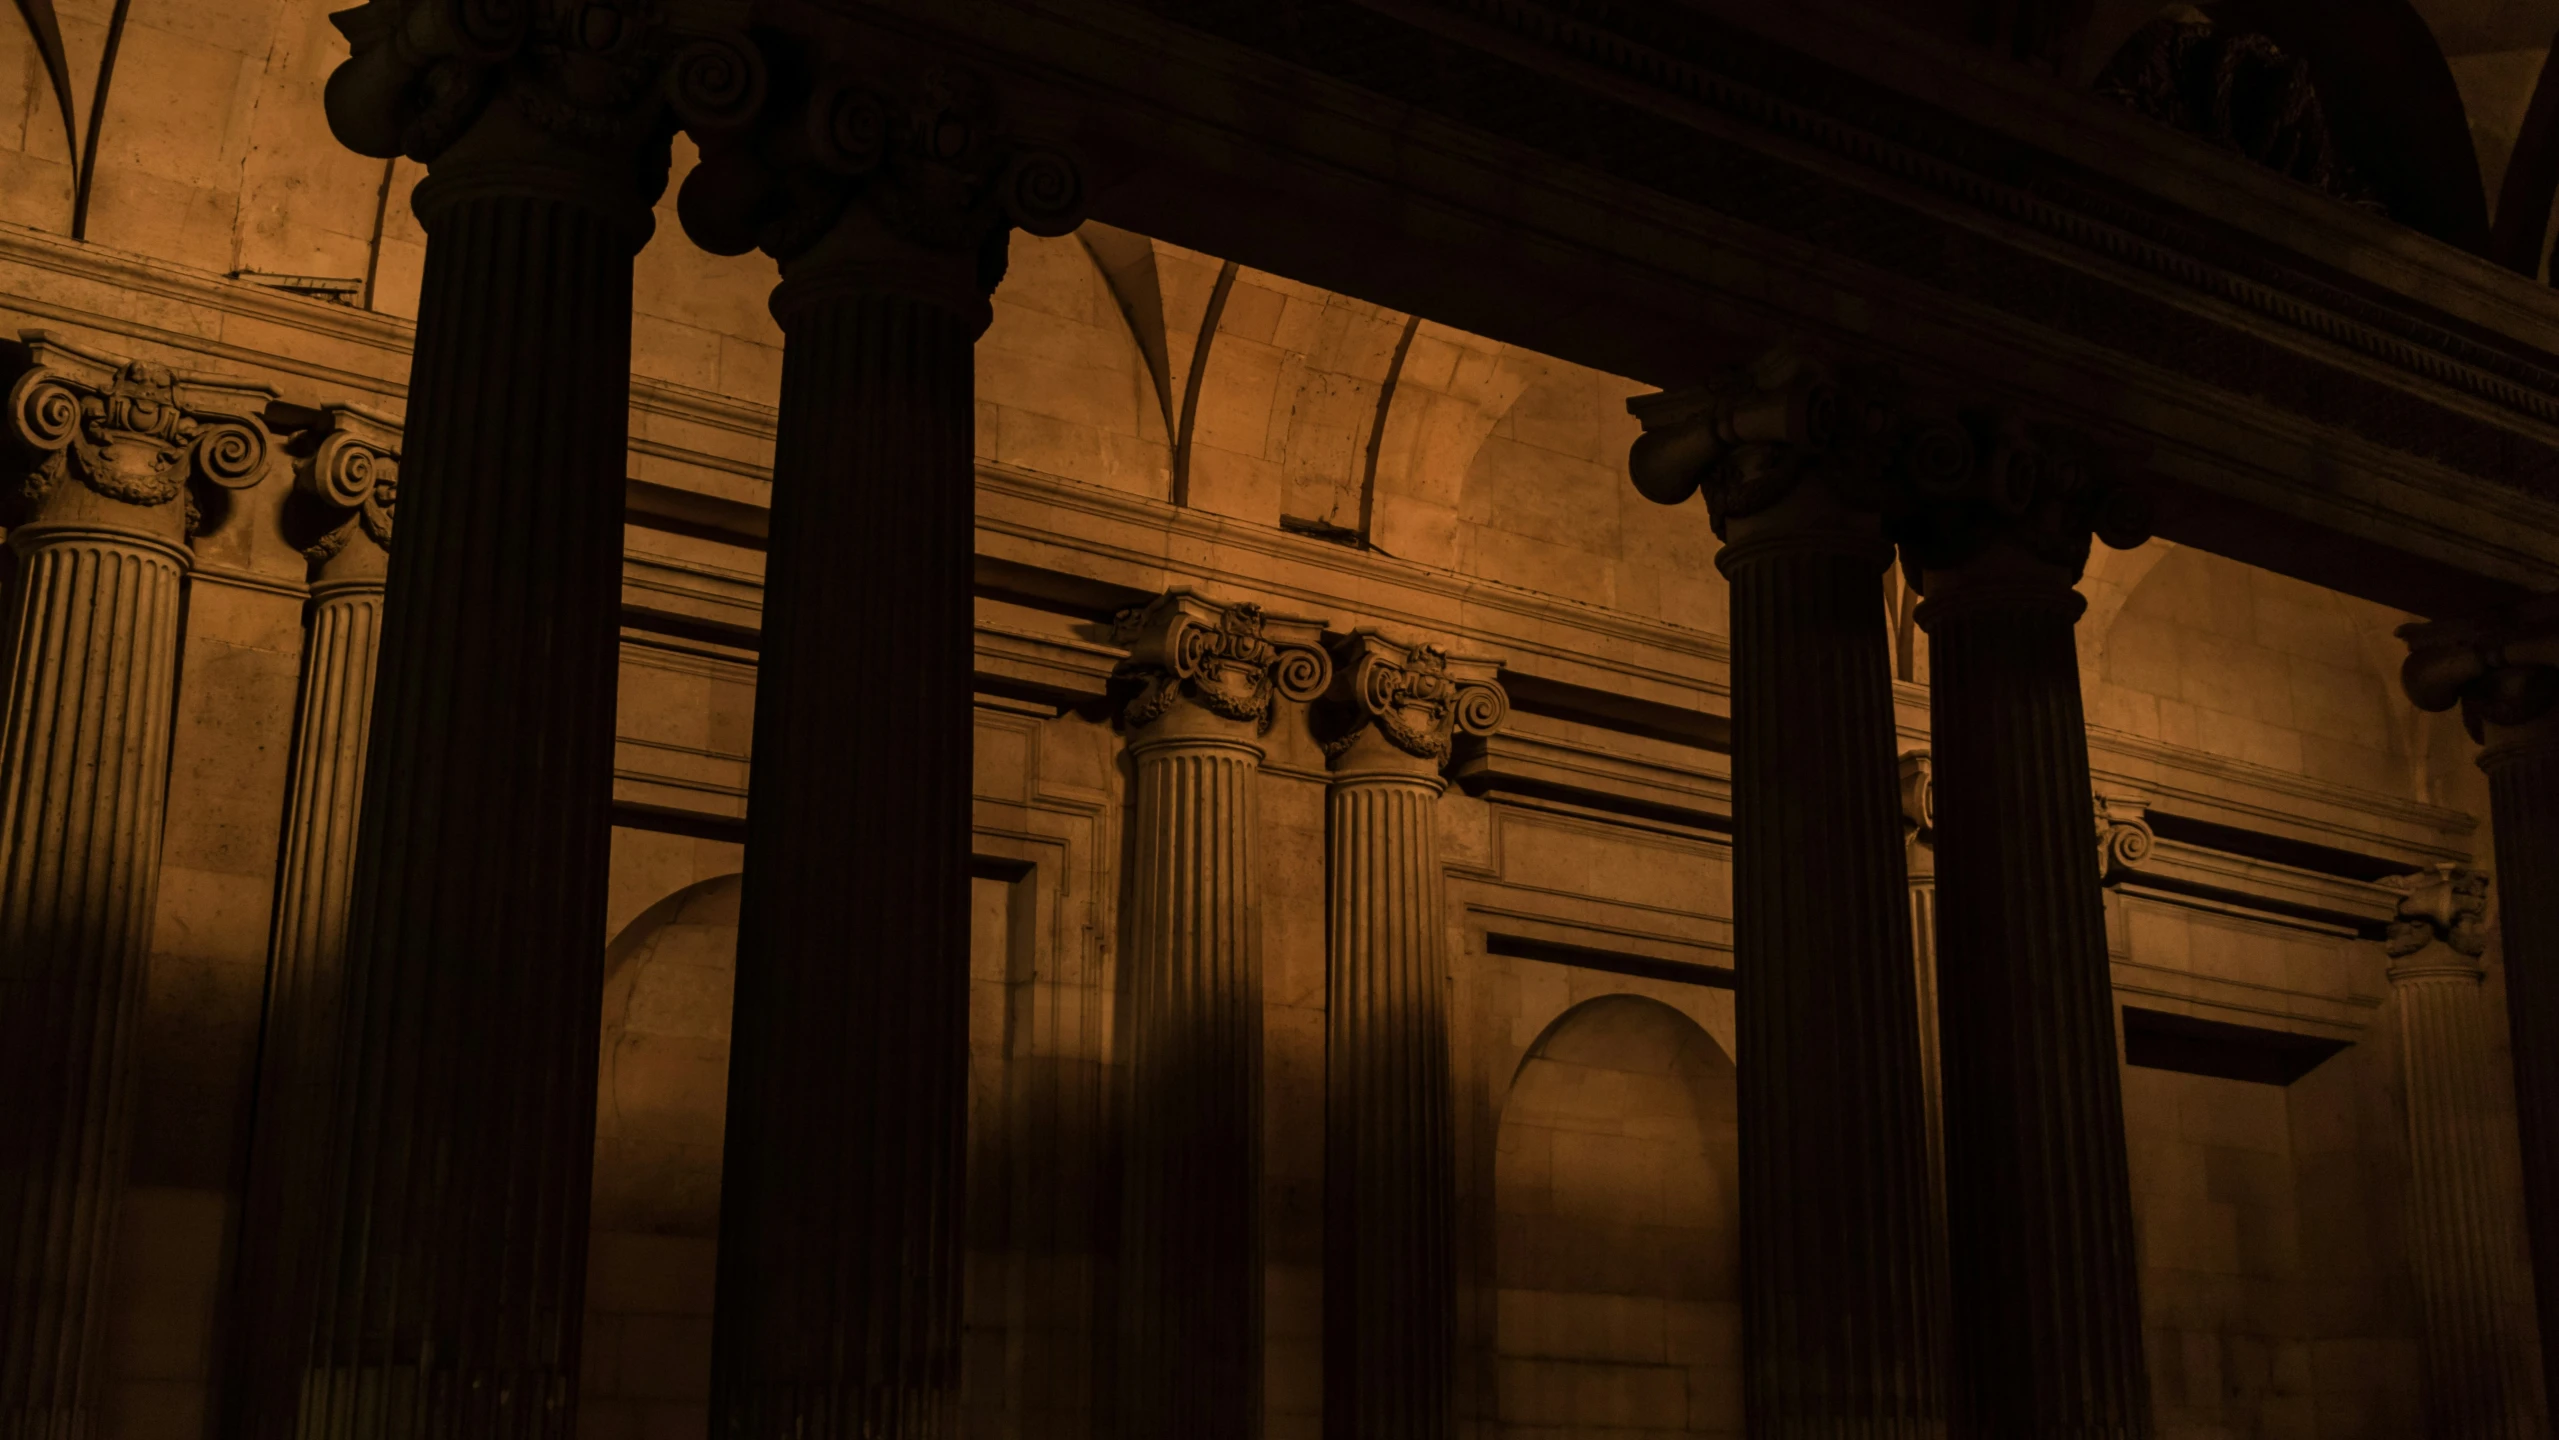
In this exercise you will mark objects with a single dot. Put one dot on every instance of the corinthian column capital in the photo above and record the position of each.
(1221, 662)
(114, 443)
(878, 172)
(2501, 668)
(2442, 925)
(1402, 707)
(346, 480)
(557, 100)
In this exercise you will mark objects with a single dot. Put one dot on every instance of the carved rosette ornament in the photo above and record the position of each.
(1415, 699)
(2466, 1230)
(108, 450)
(1231, 661)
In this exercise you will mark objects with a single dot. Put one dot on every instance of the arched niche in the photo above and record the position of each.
(662, 1064)
(2206, 653)
(1617, 1229)
(662, 1073)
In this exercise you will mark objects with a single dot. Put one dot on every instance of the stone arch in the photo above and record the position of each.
(2210, 653)
(662, 1063)
(1618, 1234)
(661, 1106)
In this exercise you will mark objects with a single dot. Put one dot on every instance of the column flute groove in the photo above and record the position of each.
(1843, 1271)
(2047, 1305)
(888, 196)
(106, 451)
(2502, 669)
(445, 1245)
(1207, 680)
(346, 493)
(1390, 1224)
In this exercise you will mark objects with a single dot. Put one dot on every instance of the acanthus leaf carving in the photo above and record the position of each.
(2501, 668)
(1947, 483)
(1234, 661)
(603, 79)
(346, 472)
(2450, 905)
(1418, 697)
(134, 431)
(927, 151)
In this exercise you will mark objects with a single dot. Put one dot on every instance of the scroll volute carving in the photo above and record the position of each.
(2501, 668)
(1747, 439)
(2450, 905)
(934, 162)
(2124, 838)
(598, 84)
(1412, 700)
(137, 435)
(346, 478)
(1231, 662)
(2044, 490)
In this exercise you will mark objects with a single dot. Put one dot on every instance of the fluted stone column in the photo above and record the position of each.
(1208, 681)
(1919, 861)
(2503, 670)
(839, 1300)
(1390, 1164)
(2047, 1304)
(450, 1225)
(1842, 1269)
(346, 479)
(103, 453)
(2483, 1381)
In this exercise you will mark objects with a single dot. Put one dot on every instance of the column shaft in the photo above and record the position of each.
(2523, 788)
(297, 1046)
(1390, 1221)
(1190, 1359)
(840, 1242)
(2465, 1231)
(84, 758)
(2047, 1307)
(1843, 1278)
(452, 1224)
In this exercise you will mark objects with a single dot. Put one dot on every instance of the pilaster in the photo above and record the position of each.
(1390, 1166)
(2483, 1379)
(346, 492)
(2502, 669)
(105, 451)
(1207, 680)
